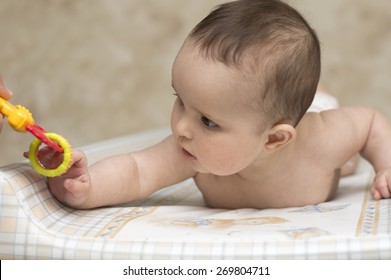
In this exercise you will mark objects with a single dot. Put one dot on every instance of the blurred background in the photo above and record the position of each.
(93, 70)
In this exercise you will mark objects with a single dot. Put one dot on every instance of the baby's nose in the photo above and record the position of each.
(183, 129)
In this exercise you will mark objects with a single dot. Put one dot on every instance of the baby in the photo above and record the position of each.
(243, 80)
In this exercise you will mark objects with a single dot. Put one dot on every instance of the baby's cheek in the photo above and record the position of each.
(228, 162)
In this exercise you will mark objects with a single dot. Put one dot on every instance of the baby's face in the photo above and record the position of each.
(213, 119)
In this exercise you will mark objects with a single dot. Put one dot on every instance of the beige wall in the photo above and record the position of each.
(92, 70)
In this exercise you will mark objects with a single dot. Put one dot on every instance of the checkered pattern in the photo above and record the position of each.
(175, 224)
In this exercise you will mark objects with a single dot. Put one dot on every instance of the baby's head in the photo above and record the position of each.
(273, 45)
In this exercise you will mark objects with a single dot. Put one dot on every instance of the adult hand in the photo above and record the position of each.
(6, 94)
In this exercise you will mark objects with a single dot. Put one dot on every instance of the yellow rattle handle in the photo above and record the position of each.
(62, 168)
(18, 116)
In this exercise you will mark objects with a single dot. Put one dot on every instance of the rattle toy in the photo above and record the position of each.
(21, 120)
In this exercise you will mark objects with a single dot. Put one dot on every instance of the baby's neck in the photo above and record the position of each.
(267, 164)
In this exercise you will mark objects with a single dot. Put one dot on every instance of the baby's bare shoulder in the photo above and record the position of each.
(335, 123)
(333, 136)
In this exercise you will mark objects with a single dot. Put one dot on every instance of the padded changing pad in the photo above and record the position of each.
(175, 224)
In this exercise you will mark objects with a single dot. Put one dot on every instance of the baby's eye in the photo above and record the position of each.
(208, 123)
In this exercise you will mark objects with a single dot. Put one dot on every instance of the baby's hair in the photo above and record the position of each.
(280, 46)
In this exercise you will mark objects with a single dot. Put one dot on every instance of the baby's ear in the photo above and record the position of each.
(279, 136)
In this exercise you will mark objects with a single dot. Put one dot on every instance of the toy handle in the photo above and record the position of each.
(18, 116)
(21, 120)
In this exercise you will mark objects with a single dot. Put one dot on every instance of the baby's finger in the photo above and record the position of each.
(77, 187)
(48, 157)
(381, 188)
(41, 153)
(375, 194)
(79, 159)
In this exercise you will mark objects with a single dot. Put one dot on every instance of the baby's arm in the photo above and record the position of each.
(122, 178)
(364, 130)
(377, 150)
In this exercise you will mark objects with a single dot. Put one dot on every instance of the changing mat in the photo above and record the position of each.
(175, 224)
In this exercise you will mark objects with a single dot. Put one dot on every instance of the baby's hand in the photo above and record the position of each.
(381, 187)
(73, 187)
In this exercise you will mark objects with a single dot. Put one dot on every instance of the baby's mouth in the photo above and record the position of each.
(188, 155)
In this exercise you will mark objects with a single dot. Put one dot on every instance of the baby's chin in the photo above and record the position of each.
(218, 171)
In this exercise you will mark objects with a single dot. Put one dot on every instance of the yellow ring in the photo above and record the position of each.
(62, 168)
